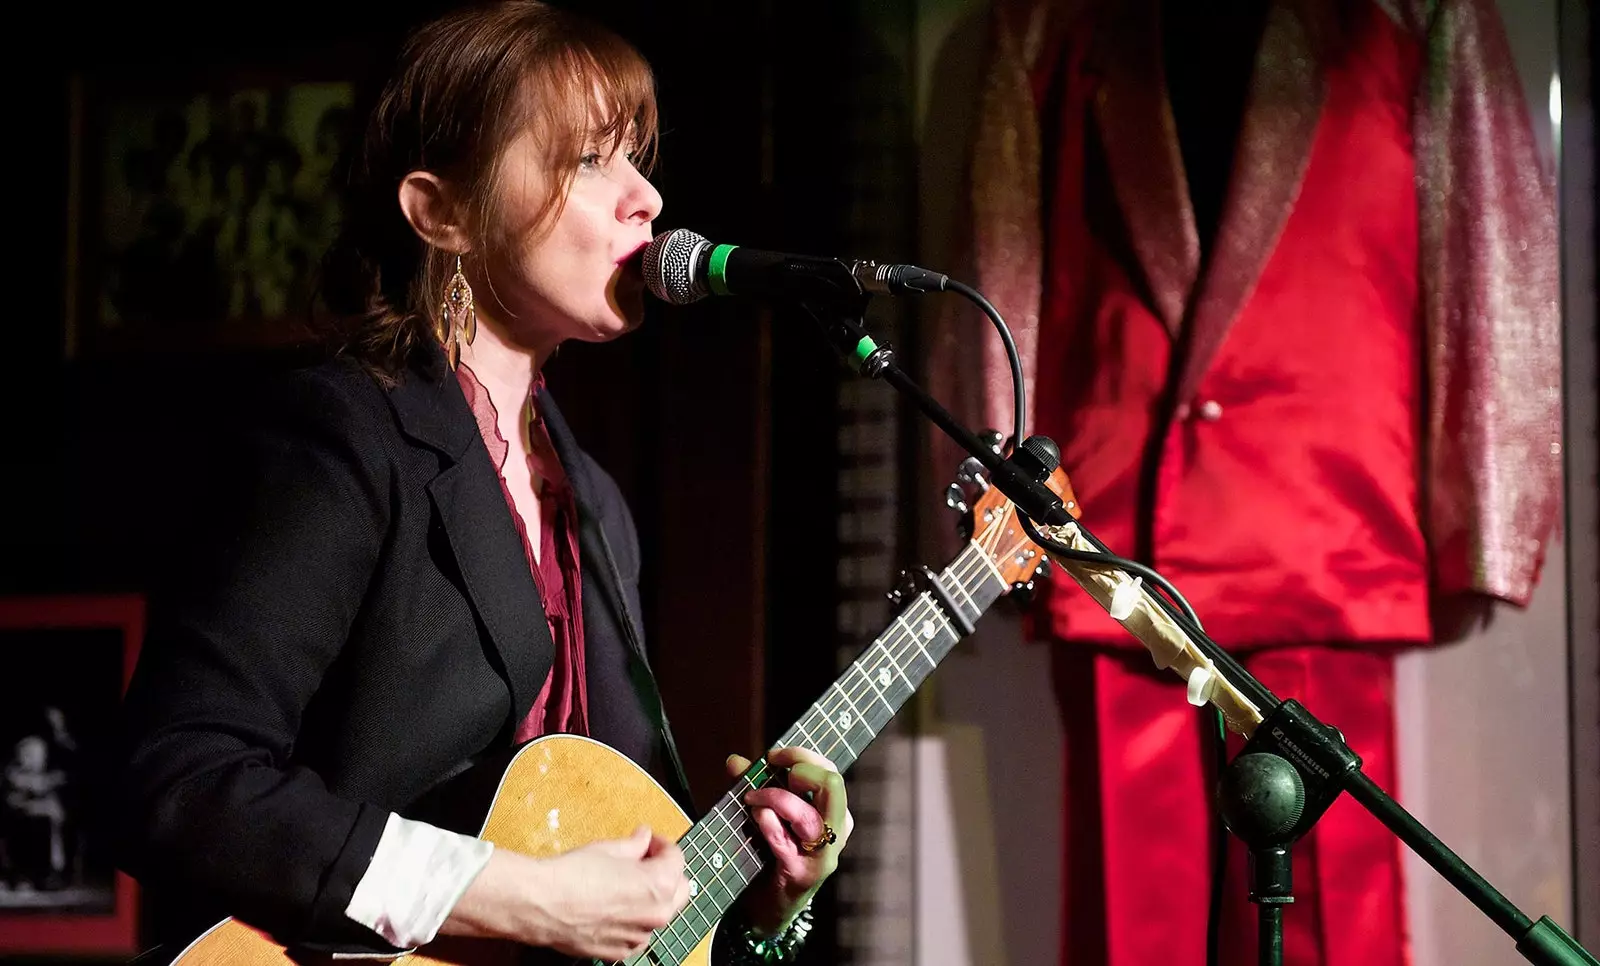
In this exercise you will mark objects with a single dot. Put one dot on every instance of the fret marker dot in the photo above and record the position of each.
(694, 888)
(716, 860)
(884, 677)
(845, 719)
(928, 630)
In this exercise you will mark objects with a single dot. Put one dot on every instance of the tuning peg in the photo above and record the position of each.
(1022, 592)
(905, 586)
(971, 473)
(993, 439)
(956, 498)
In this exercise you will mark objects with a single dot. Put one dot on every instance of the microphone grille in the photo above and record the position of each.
(669, 263)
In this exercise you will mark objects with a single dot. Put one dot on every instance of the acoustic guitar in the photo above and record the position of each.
(560, 792)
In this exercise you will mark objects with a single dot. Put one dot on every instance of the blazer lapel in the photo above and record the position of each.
(477, 524)
(594, 548)
(1279, 126)
(1140, 139)
(589, 544)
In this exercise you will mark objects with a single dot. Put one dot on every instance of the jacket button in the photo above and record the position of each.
(1210, 410)
(1182, 414)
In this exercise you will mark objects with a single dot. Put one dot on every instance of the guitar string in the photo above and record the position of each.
(962, 571)
(729, 803)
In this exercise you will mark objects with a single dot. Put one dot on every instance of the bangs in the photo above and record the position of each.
(581, 88)
(597, 91)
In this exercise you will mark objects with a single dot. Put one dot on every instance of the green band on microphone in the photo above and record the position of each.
(865, 347)
(716, 270)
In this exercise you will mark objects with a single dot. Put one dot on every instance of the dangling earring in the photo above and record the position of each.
(458, 316)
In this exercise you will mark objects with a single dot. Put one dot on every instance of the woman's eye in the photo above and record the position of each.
(591, 160)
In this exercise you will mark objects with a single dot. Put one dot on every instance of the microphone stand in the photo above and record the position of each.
(1292, 768)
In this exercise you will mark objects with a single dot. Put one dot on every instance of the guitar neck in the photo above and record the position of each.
(723, 851)
(860, 704)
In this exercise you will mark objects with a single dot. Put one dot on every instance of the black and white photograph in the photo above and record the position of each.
(57, 698)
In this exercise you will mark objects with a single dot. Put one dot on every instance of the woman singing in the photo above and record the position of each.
(427, 569)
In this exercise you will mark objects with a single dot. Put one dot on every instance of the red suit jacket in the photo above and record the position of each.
(1356, 398)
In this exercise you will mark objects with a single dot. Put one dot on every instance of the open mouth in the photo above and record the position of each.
(633, 263)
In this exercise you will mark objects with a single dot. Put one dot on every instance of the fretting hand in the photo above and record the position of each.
(805, 822)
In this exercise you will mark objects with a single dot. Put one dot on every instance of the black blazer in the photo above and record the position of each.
(354, 623)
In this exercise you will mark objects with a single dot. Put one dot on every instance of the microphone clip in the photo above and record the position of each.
(841, 323)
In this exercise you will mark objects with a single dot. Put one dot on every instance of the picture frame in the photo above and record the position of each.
(68, 660)
(200, 205)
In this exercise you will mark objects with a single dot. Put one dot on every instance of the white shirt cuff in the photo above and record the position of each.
(418, 874)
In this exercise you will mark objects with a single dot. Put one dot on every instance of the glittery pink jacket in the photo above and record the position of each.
(1353, 410)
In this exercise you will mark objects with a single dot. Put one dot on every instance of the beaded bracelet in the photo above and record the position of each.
(781, 948)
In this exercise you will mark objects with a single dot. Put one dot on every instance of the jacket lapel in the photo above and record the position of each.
(589, 541)
(1145, 164)
(1279, 126)
(596, 551)
(477, 524)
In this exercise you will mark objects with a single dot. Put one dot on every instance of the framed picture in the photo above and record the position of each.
(66, 661)
(200, 207)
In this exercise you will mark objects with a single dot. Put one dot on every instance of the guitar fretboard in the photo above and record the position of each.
(724, 851)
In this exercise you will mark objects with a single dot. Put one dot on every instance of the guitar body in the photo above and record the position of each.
(558, 793)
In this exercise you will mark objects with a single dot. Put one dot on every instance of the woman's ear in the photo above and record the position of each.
(430, 206)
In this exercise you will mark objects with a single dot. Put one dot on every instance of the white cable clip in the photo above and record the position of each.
(1202, 685)
(1125, 597)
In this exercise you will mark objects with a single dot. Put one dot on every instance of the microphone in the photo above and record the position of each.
(681, 267)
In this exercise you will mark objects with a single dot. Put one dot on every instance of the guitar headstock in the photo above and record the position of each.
(990, 521)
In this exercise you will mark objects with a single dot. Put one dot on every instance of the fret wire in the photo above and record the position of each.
(708, 893)
(963, 573)
(983, 560)
(745, 847)
(863, 666)
(842, 739)
(677, 937)
(831, 716)
(895, 650)
(706, 924)
(860, 668)
(715, 877)
(733, 862)
(963, 570)
(739, 808)
(664, 935)
(800, 727)
(899, 668)
(737, 834)
(720, 842)
(830, 752)
(961, 587)
(917, 639)
(856, 711)
(989, 561)
(888, 648)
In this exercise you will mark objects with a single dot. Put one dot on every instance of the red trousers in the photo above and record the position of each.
(1138, 813)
